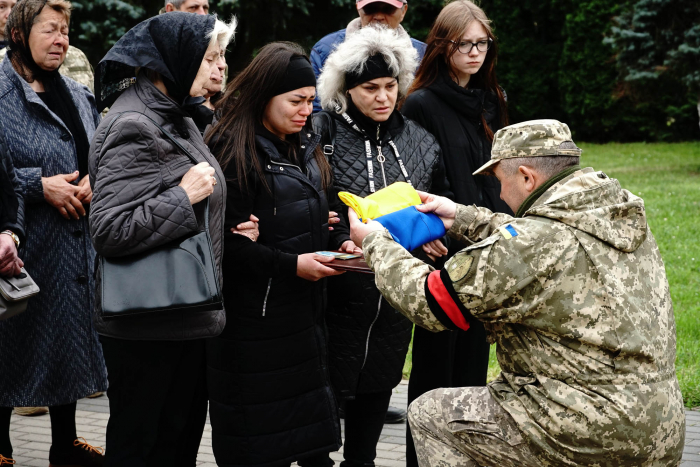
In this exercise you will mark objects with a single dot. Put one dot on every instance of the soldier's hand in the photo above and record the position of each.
(444, 208)
(358, 230)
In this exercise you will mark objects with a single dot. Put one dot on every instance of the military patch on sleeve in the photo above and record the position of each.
(460, 267)
(508, 231)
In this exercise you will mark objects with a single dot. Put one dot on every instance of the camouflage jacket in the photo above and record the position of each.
(575, 295)
(76, 66)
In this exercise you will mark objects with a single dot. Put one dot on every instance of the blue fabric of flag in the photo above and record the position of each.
(511, 230)
(412, 228)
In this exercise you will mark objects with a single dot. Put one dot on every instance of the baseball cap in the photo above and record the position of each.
(394, 3)
(535, 138)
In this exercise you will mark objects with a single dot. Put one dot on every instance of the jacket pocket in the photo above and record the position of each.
(267, 294)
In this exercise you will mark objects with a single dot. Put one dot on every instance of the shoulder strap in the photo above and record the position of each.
(328, 135)
(175, 142)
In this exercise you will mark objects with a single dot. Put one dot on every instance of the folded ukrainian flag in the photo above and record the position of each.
(393, 198)
(395, 208)
(411, 228)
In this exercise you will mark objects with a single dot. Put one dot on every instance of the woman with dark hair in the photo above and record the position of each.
(370, 145)
(150, 192)
(270, 398)
(456, 97)
(50, 354)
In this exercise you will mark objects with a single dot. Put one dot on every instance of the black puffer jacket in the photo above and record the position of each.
(138, 205)
(369, 339)
(270, 397)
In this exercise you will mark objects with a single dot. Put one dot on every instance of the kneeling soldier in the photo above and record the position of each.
(574, 292)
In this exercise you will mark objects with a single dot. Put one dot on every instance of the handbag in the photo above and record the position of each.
(179, 276)
(15, 293)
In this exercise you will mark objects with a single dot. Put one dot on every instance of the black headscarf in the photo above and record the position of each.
(171, 44)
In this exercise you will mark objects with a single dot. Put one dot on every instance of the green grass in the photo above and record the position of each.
(667, 177)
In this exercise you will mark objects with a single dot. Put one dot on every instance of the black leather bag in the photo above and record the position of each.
(180, 276)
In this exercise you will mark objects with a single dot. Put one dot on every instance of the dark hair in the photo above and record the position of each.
(450, 25)
(243, 107)
(21, 20)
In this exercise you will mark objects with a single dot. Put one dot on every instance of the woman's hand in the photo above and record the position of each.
(10, 264)
(60, 193)
(435, 249)
(248, 229)
(310, 267)
(332, 219)
(199, 182)
(84, 194)
(350, 247)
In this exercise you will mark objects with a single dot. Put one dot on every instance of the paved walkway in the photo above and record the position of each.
(31, 436)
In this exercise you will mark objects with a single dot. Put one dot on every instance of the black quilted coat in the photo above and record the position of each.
(138, 204)
(368, 339)
(270, 397)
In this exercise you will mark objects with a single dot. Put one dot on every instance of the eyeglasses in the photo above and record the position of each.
(466, 47)
(379, 7)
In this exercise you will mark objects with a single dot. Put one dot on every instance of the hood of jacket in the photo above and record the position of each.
(593, 203)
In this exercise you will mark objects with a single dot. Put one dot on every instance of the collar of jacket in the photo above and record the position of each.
(469, 102)
(16, 81)
(534, 196)
(308, 142)
(394, 125)
(154, 99)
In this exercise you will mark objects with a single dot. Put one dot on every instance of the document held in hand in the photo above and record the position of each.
(395, 208)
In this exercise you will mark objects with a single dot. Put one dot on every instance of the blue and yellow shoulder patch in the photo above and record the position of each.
(508, 231)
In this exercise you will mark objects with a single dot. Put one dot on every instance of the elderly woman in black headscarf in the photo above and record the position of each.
(50, 354)
(147, 193)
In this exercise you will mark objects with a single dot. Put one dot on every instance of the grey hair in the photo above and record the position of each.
(352, 55)
(547, 166)
(223, 32)
(176, 3)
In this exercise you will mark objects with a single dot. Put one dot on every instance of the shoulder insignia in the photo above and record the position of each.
(508, 231)
(459, 268)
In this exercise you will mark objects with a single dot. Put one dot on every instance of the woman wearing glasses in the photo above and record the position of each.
(456, 97)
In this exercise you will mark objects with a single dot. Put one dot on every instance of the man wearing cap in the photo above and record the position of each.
(574, 292)
(389, 13)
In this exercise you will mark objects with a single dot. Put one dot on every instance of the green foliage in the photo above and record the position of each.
(635, 79)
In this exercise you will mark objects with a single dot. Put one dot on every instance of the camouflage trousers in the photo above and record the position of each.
(466, 427)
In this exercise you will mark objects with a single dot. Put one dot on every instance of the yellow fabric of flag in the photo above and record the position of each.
(395, 197)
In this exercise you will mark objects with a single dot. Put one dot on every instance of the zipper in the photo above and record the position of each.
(381, 159)
(267, 294)
(379, 308)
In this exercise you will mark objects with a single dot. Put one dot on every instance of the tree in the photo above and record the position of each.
(658, 41)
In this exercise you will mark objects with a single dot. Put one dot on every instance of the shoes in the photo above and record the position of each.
(393, 415)
(96, 395)
(6, 461)
(31, 411)
(81, 454)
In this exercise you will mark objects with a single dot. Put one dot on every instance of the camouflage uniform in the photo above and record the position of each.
(76, 66)
(575, 294)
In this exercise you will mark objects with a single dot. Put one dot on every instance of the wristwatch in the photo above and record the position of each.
(13, 235)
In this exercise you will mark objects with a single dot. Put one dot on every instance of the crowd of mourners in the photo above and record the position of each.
(164, 146)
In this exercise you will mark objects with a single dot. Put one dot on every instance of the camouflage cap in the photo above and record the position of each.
(535, 138)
